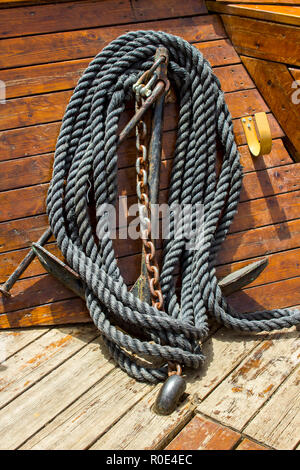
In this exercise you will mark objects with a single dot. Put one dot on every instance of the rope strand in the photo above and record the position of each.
(87, 150)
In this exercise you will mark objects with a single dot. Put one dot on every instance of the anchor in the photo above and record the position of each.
(174, 386)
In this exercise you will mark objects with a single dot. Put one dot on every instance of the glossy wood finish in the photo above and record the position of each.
(38, 95)
(278, 13)
(267, 36)
(275, 82)
(100, 407)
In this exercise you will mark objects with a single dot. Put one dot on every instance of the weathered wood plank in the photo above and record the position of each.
(143, 9)
(141, 428)
(39, 19)
(54, 47)
(75, 428)
(252, 243)
(45, 78)
(283, 179)
(249, 386)
(278, 422)
(38, 169)
(39, 109)
(18, 234)
(13, 341)
(240, 246)
(156, 431)
(264, 39)
(279, 95)
(38, 405)
(224, 351)
(39, 358)
(202, 434)
(34, 291)
(28, 171)
(247, 247)
(279, 13)
(33, 202)
(91, 415)
(282, 265)
(233, 78)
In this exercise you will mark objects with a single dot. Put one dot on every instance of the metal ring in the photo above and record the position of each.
(155, 271)
(150, 245)
(172, 367)
(145, 199)
(146, 90)
(143, 149)
(158, 295)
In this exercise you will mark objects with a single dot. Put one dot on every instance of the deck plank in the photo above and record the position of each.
(223, 355)
(39, 358)
(51, 395)
(252, 383)
(224, 351)
(278, 420)
(13, 341)
(91, 415)
(202, 434)
(141, 428)
(248, 444)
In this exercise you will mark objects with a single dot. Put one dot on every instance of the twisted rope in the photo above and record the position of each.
(87, 149)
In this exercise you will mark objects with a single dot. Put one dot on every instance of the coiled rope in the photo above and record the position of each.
(87, 151)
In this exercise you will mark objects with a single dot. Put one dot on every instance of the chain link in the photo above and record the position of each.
(142, 189)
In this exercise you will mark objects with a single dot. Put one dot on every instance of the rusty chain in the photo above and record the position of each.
(142, 189)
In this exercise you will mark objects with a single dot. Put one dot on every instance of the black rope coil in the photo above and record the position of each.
(87, 150)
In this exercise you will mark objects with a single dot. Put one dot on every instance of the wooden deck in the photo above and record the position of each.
(59, 388)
